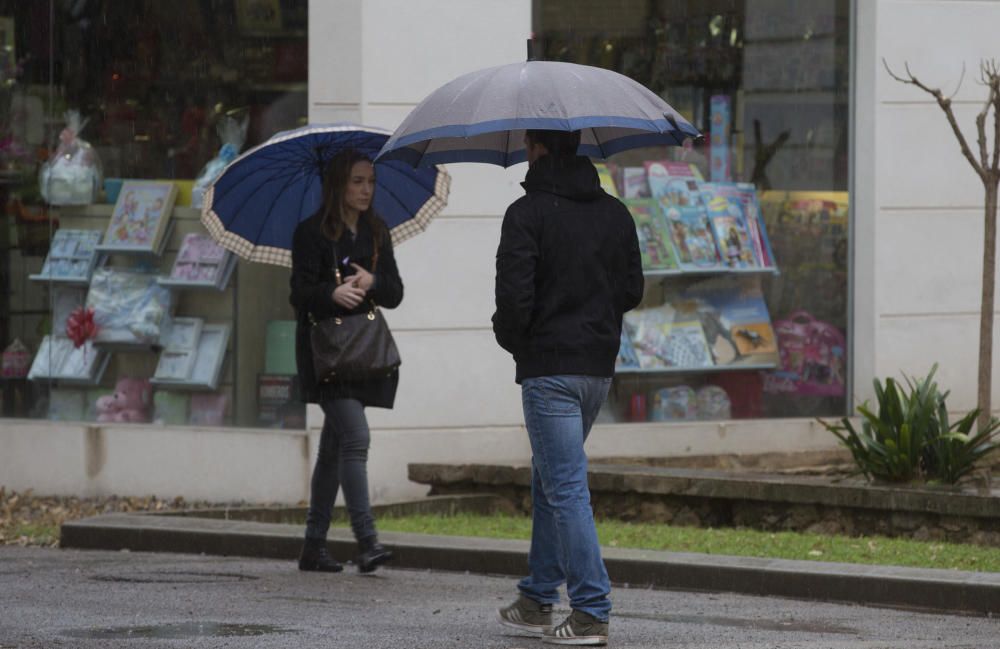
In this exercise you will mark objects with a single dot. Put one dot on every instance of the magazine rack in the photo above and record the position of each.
(707, 244)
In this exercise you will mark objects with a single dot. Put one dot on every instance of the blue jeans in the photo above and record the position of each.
(558, 412)
(342, 462)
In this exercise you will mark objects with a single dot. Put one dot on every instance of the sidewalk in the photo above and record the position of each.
(933, 590)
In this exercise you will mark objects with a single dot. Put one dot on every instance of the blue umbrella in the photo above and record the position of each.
(254, 206)
(482, 116)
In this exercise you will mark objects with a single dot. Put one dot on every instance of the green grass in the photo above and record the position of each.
(738, 542)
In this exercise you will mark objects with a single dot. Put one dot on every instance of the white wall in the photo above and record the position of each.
(373, 61)
(919, 204)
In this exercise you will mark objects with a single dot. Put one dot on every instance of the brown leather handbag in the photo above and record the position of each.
(353, 347)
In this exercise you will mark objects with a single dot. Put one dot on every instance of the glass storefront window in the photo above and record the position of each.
(110, 112)
(744, 234)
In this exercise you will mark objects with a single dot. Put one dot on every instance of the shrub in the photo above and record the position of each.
(910, 437)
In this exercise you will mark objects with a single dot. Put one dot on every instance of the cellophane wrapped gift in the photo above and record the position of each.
(72, 176)
(16, 360)
(129, 306)
(233, 134)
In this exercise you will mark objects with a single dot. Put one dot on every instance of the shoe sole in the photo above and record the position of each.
(373, 565)
(584, 640)
(310, 568)
(534, 629)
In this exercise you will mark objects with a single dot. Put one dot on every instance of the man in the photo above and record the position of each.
(568, 267)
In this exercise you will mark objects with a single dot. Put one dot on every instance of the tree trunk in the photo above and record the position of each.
(986, 315)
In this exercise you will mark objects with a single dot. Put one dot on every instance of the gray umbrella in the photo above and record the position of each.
(482, 116)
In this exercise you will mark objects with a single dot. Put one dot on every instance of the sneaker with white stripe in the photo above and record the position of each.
(579, 629)
(526, 615)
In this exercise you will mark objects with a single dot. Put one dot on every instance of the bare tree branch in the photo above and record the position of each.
(981, 125)
(995, 96)
(945, 104)
(959, 86)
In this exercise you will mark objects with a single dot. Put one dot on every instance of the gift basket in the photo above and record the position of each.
(72, 175)
(233, 134)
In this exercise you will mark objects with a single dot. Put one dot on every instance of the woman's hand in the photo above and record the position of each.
(349, 294)
(362, 277)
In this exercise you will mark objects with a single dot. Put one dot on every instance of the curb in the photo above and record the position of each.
(918, 588)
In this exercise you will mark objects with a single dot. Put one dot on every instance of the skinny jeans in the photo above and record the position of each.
(342, 462)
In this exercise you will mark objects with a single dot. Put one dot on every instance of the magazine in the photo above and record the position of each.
(634, 182)
(691, 233)
(654, 236)
(726, 215)
(746, 196)
(660, 173)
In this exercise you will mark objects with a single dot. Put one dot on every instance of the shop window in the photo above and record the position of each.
(110, 112)
(744, 234)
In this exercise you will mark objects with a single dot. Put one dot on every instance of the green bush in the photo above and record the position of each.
(910, 437)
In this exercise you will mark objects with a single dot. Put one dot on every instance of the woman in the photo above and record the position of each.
(344, 234)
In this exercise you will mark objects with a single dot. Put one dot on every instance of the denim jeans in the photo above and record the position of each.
(558, 412)
(342, 461)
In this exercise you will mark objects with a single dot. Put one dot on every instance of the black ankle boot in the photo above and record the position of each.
(372, 554)
(315, 557)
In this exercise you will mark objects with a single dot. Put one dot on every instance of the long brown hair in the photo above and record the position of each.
(335, 178)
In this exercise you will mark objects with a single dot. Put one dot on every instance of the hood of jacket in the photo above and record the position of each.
(573, 177)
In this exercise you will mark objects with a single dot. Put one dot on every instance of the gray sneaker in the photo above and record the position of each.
(579, 629)
(526, 615)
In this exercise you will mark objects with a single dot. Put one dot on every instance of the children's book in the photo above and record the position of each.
(654, 236)
(607, 179)
(634, 182)
(691, 233)
(735, 320)
(660, 173)
(666, 337)
(726, 215)
(140, 216)
(626, 355)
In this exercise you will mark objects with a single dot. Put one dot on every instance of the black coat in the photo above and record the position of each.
(313, 282)
(568, 267)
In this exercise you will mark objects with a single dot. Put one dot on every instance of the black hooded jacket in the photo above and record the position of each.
(568, 267)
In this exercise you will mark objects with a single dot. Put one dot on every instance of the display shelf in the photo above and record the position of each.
(123, 346)
(71, 281)
(623, 371)
(773, 270)
(220, 285)
(211, 353)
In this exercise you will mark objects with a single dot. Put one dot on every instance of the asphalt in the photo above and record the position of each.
(946, 591)
(87, 599)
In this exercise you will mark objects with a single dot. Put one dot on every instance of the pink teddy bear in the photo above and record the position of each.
(129, 403)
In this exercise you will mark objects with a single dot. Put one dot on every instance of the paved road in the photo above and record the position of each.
(68, 598)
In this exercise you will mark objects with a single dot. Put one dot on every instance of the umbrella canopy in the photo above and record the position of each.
(482, 116)
(254, 207)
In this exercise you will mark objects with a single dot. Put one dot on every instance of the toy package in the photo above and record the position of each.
(233, 134)
(129, 307)
(812, 356)
(72, 176)
(670, 404)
